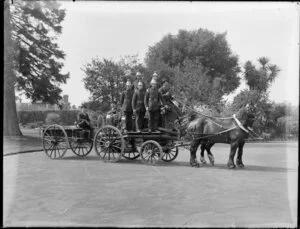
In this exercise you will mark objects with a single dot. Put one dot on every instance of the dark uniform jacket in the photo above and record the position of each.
(83, 116)
(153, 99)
(165, 94)
(138, 101)
(126, 100)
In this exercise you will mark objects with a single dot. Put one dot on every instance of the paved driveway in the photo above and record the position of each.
(87, 192)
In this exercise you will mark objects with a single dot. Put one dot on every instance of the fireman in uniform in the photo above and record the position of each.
(169, 109)
(126, 101)
(153, 102)
(138, 106)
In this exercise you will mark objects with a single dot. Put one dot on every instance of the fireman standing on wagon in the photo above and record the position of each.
(138, 106)
(153, 102)
(126, 100)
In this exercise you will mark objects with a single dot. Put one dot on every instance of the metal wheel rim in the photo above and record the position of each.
(109, 144)
(151, 152)
(55, 147)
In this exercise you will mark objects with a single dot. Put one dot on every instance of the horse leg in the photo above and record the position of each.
(194, 146)
(202, 159)
(239, 161)
(233, 148)
(209, 154)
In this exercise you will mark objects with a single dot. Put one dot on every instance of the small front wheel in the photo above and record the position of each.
(151, 152)
(170, 154)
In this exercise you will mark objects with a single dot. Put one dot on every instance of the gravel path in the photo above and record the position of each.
(87, 192)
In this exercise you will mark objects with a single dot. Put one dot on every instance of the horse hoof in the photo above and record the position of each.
(231, 166)
(211, 160)
(194, 164)
(240, 165)
(203, 160)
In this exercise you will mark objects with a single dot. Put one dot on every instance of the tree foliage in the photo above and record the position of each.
(37, 56)
(104, 79)
(260, 78)
(180, 55)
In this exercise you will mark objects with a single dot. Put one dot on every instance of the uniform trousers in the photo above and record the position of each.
(139, 120)
(128, 120)
(153, 119)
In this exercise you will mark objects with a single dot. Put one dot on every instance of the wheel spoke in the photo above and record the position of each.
(58, 151)
(116, 146)
(113, 154)
(154, 159)
(105, 153)
(169, 156)
(100, 141)
(55, 151)
(52, 151)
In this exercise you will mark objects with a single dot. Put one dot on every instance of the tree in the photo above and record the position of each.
(193, 83)
(130, 64)
(95, 105)
(260, 78)
(10, 119)
(34, 58)
(104, 79)
(218, 67)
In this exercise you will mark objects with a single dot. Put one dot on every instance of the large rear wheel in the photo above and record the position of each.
(109, 144)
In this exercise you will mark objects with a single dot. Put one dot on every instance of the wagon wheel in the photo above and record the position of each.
(170, 154)
(55, 141)
(109, 143)
(151, 152)
(81, 146)
(131, 155)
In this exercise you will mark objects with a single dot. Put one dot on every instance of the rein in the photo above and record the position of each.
(239, 124)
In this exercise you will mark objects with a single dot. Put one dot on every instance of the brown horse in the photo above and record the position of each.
(208, 131)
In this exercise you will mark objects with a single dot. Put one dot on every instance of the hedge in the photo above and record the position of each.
(67, 117)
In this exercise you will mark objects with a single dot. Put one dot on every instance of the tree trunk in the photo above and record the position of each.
(10, 119)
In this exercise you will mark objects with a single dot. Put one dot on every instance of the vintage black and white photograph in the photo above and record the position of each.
(150, 114)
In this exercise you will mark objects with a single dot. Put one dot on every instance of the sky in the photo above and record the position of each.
(114, 29)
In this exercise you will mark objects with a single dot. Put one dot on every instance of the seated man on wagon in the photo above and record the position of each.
(83, 120)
